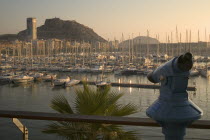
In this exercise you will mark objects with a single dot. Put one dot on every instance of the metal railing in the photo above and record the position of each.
(134, 121)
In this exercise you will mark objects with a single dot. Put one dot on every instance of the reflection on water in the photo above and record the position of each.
(130, 90)
(119, 89)
(24, 85)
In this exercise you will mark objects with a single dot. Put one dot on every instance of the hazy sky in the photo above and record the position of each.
(111, 18)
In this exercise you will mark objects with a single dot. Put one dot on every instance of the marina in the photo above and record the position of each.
(29, 83)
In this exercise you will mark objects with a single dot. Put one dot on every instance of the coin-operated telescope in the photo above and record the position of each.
(173, 110)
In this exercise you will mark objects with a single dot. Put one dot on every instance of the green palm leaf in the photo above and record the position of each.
(92, 102)
(73, 131)
(61, 105)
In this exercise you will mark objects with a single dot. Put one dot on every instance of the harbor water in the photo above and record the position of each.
(37, 97)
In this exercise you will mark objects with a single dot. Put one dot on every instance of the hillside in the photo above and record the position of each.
(8, 37)
(141, 40)
(61, 29)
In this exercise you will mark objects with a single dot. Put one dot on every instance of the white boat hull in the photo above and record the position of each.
(61, 82)
(19, 80)
(72, 83)
(102, 84)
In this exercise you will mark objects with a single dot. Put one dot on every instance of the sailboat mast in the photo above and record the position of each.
(132, 49)
(166, 44)
(158, 48)
(123, 51)
(206, 42)
(75, 53)
(31, 54)
(147, 43)
(180, 43)
(129, 47)
(83, 53)
(139, 50)
(190, 49)
(209, 40)
(177, 41)
(172, 48)
(186, 41)
(199, 43)
(168, 40)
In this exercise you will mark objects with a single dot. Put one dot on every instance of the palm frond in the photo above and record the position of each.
(61, 105)
(126, 135)
(124, 110)
(89, 101)
(73, 131)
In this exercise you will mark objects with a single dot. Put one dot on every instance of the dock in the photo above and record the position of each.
(135, 85)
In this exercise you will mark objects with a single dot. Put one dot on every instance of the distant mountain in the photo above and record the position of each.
(141, 40)
(145, 39)
(61, 29)
(8, 37)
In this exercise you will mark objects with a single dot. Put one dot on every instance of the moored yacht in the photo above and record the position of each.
(62, 81)
(118, 72)
(7, 76)
(66, 69)
(49, 77)
(72, 82)
(205, 72)
(22, 79)
(83, 69)
(37, 76)
(102, 84)
(129, 71)
(194, 72)
(97, 69)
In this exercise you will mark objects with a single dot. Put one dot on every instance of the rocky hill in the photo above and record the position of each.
(61, 29)
(142, 40)
(8, 37)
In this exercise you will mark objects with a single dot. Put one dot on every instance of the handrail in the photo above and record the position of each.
(200, 124)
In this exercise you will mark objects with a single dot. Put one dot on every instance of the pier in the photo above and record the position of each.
(135, 85)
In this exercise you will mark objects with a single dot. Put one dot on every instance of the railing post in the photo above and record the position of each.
(22, 128)
(25, 133)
